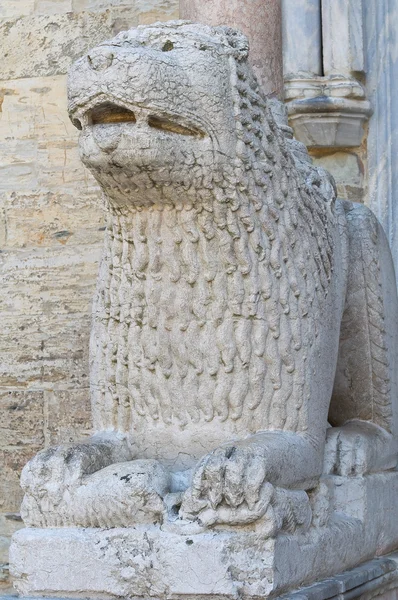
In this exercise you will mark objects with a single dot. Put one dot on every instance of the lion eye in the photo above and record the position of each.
(173, 127)
(111, 113)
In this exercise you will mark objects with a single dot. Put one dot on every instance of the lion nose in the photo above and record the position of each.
(100, 60)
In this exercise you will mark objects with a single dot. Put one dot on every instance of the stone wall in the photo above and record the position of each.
(51, 228)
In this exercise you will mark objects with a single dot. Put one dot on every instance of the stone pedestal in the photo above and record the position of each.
(240, 305)
(181, 560)
(374, 578)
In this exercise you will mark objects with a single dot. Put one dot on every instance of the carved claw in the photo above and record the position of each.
(56, 472)
(53, 470)
(230, 486)
(231, 474)
(276, 509)
(358, 448)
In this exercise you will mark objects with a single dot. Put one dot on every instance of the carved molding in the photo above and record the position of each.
(327, 112)
(326, 104)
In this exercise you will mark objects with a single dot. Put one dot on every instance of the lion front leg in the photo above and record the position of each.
(52, 476)
(244, 481)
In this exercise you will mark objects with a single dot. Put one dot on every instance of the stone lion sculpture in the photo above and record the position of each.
(245, 319)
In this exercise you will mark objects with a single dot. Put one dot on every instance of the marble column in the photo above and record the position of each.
(260, 20)
(381, 19)
(342, 32)
(302, 37)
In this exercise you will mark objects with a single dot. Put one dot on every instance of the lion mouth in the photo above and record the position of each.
(108, 113)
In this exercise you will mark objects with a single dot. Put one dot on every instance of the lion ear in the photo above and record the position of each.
(236, 40)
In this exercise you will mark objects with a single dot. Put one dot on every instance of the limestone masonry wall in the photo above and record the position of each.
(51, 229)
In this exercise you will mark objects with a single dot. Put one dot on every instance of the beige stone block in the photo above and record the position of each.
(48, 352)
(35, 108)
(94, 5)
(48, 280)
(18, 169)
(59, 169)
(38, 143)
(9, 524)
(37, 140)
(48, 218)
(69, 415)
(3, 227)
(45, 301)
(16, 8)
(49, 7)
(12, 461)
(346, 167)
(43, 45)
(156, 10)
(348, 170)
(22, 418)
(150, 11)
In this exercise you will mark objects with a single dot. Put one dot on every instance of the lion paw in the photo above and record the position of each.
(357, 448)
(229, 487)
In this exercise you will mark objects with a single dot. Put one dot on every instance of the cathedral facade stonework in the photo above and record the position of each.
(242, 307)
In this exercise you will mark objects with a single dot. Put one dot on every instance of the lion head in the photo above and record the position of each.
(156, 109)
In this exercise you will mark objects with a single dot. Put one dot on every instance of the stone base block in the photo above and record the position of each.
(376, 578)
(171, 561)
(150, 562)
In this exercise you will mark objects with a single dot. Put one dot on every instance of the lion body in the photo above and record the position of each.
(239, 305)
(221, 288)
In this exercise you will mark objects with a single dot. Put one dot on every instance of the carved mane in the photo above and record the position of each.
(187, 320)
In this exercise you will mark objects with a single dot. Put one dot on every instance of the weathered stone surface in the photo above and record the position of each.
(12, 460)
(148, 11)
(302, 37)
(240, 307)
(375, 578)
(10, 8)
(10, 522)
(147, 562)
(34, 108)
(47, 218)
(40, 169)
(69, 413)
(260, 20)
(55, 41)
(348, 171)
(22, 418)
(39, 300)
(42, 277)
